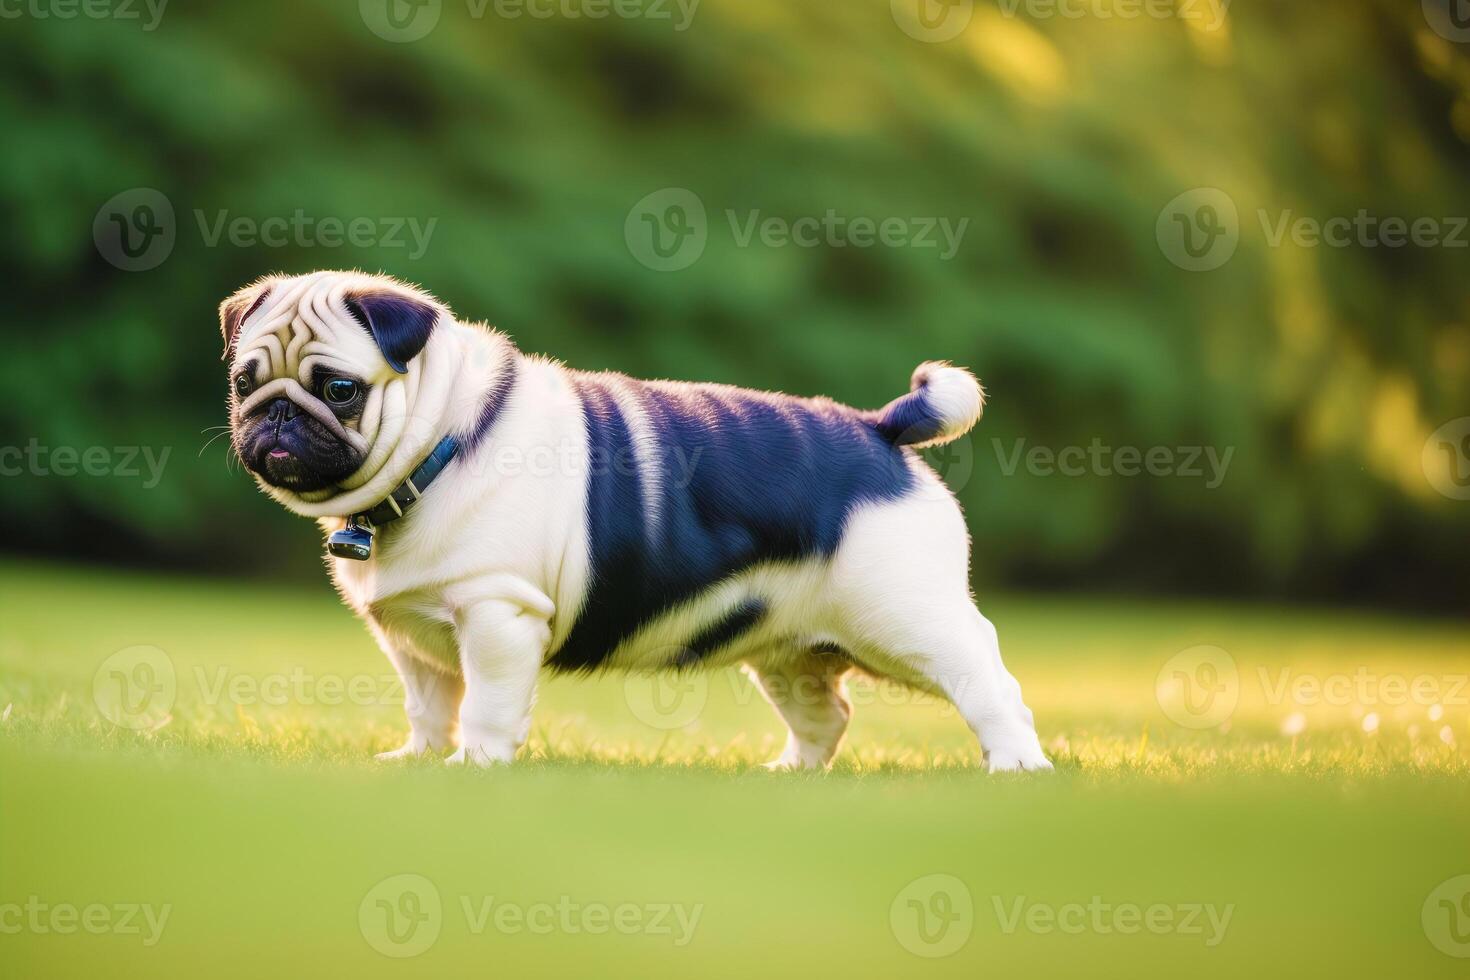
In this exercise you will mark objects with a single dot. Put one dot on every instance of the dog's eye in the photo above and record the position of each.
(243, 385)
(339, 391)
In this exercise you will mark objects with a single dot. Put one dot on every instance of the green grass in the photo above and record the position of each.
(249, 805)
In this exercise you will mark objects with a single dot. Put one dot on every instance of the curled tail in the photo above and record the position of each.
(944, 402)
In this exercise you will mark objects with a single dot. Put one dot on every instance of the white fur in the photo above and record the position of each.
(954, 395)
(470, 597)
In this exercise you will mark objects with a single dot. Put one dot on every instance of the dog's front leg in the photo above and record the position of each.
(501, 646)
(430, 699)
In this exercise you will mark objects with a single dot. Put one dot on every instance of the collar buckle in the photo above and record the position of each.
(355, 541)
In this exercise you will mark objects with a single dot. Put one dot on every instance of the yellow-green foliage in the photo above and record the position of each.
(1059, 139)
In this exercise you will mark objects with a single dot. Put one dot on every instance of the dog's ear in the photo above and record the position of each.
(399, 323)
(234, 311)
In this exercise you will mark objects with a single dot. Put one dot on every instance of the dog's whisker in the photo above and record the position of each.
(212, 439)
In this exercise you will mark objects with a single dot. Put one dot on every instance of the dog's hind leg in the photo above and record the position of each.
(901, 584)
(972, 675)
(954, 652)
(806, 689)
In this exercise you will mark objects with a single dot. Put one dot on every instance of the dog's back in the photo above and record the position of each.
(692, 483)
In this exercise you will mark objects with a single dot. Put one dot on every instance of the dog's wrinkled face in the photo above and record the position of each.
(319, 366)
(289, 442)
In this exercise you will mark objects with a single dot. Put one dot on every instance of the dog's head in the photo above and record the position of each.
(324, 372)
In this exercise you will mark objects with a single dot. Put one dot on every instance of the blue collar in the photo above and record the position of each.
(355, 541)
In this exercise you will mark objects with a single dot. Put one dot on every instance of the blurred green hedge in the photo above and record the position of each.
(527, 141)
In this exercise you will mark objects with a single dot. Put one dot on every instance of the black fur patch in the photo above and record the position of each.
(744, 477)
(723, 632)
(399, 324)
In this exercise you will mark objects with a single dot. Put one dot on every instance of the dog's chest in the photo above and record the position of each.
(418, 621)
(355, 582)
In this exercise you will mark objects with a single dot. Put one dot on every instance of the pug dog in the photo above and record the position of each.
(491, 513)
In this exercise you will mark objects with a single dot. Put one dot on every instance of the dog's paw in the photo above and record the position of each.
(480, 755)
(784, 764)
(416, 746)
(413, 748)
(798, 756)
(402, 752)
(1016, 751)
(1026, 758)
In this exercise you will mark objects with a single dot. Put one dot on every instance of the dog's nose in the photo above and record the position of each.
(280, 410)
